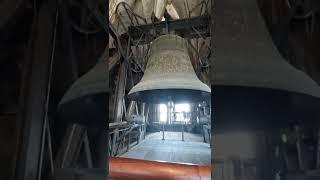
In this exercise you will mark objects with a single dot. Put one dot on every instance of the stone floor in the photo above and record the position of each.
(172, 149)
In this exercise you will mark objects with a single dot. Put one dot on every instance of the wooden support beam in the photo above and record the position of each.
(130, 109)
(33, 110)
(117, 125)
(120, 93)
(182, 27)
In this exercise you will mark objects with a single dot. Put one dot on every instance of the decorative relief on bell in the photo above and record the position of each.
(169, 62)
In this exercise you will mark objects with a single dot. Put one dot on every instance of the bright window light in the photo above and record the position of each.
(182, 111)
(182, 107)
(163, 112)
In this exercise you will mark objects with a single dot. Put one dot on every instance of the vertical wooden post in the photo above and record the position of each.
(33, 112)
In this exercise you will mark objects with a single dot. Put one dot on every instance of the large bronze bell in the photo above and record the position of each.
(169, 74)
(253, 85)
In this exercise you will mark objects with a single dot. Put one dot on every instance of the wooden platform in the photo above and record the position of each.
(172, 149)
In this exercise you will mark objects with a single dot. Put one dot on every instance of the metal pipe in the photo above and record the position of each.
(182, 136)
(125, 168)
(163, 131)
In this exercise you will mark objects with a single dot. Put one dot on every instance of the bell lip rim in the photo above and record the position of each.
(204, 95)
(202, 91)
(202, 87)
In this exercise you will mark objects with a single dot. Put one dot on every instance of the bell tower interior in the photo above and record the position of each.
(160, 89)
(167, 105)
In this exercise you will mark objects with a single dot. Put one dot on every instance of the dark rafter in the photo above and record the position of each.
(182, 27)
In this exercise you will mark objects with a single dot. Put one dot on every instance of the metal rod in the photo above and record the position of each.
(68, 145)
(48, 95)
(128, 144)
(43, 136)
(146, 120)
(299, 150)
(137, 109)
(50, 148)
(114, 142)
(110, 145)
(162, 131)
(124, 4)
(204, 133)
(118, 130)
(182, 131)
(87, 150)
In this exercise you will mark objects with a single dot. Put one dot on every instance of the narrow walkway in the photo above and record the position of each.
(172, 149)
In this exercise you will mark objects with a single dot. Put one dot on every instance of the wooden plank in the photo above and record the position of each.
(117, 124)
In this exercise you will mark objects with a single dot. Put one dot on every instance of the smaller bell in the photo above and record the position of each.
(86, 101)
(169, 74)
